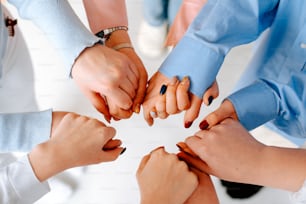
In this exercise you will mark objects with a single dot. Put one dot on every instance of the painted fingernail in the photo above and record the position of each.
(163, 89)
(137, 108)
(153, 114)
(210, 100)
(188, 124)
(123, 150)
(204, 125)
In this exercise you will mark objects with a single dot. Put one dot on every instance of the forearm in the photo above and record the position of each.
(282, 168)
(104, 14)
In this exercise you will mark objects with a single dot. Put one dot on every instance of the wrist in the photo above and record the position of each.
(43, 161)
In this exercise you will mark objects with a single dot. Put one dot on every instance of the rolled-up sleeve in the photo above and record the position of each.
(62, 26)
(219, 26)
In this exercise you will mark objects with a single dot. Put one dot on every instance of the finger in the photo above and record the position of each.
(100, 104)
(112, 144)
(147, 116)
(193, 162)
(127, 86)
(182, 94)
(141, 91)
(161, 103)
(193, 112)
(133, 74)
(226, 110)
(184, 148)
(111, 155)
(211, 93)
(143, 163)
(120, 98)
(171, 102)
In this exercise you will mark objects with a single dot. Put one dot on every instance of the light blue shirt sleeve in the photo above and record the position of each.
(22, 131)
(61, 25)
(220, 25)
(265, 100)
(19, 185)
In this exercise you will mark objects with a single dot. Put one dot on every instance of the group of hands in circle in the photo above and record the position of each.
(116, 83)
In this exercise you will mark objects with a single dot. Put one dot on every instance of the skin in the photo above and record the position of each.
(205, 192)
(160, 168)
(103, 74)
(254, 162)
(75, 141)
(95, 11)
(176, 100)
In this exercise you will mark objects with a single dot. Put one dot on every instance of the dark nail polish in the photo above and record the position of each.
(204, 125)
(210, 100)
(123, 150)
(188, 124)
(163, 89)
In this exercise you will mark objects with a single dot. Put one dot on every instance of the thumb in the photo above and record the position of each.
(226, 110)
(211, 93)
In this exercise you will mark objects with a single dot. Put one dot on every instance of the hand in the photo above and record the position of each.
(102, 72)
(164, 179)
(174, 100)
(76, 141)
(228, 151)
(177, 98)
(226, 110)
(205, 192)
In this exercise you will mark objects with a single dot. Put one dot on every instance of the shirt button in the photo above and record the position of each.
(303, 45)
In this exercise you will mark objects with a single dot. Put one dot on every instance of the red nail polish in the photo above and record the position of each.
(204, 125)
(188, 124)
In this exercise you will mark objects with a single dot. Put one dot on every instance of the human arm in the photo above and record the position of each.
(79, 49)
(200, 53)
(205, 192)
(162, 178)
(108, 14)
(231, 153)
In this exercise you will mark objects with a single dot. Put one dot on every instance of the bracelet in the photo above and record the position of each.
(123, 45)
(105, 34)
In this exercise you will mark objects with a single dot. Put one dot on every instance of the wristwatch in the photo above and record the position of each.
(105, 34)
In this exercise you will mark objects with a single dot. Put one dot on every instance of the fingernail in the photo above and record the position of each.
(163, 89)
(137, 108)
(204, 125)
(210, 100)
(123, 150)
(173, 81)
(188, 124)
(185, 80)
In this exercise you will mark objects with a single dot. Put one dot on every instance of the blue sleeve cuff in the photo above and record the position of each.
(61, 25)
(254, 105)
(22, 131)
(193, 59)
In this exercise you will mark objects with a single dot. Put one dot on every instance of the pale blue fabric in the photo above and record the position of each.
(275, 77)
(157, 12)
(61, 25)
